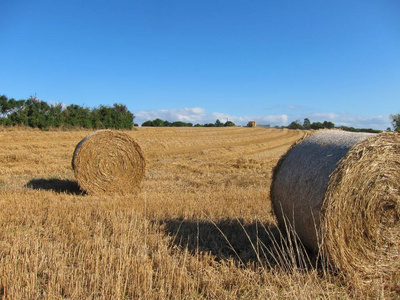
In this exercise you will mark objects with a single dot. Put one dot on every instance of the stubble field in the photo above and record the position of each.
(201, 228)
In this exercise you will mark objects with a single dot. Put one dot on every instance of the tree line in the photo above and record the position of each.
(36, 113)
(161, 123)
(39, 114)
(395, 122)
(329, 125)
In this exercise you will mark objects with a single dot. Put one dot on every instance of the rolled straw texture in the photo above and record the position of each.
(340, 191)
(108, 162)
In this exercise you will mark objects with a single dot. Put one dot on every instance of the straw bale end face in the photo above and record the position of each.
(109, 162)
(340, 192)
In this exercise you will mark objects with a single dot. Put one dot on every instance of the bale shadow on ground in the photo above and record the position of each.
(56, 185)
(251, 243)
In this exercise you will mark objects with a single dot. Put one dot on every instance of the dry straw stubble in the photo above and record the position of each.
(109, 162)
(341, 193)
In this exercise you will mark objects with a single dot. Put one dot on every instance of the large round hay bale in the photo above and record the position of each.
(108, 162)
(340, 192)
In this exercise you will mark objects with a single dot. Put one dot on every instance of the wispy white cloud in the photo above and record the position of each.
(199, 115)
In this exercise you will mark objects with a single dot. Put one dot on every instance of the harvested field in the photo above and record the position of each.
(201, 228)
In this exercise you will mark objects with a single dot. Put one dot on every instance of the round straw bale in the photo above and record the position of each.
(108, 162)
(340, 192)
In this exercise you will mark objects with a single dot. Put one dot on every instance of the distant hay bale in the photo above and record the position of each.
(251, 124)
(340, 192)
(108, 162)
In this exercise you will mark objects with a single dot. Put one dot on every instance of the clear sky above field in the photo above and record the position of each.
(196, 61)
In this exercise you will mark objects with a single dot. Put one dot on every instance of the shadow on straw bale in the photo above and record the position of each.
(56, 185)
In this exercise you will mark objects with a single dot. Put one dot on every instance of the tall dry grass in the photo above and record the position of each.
(202, 228)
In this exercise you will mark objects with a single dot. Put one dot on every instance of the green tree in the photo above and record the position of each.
(328, 125)
(3, 106)
(396, 122)
(37, 113)
(18, 117)
(55, 115)
(218, 123)
(158, 122)
(295, 125)
(106, 116)
(77, 116)
(12, 111)
(229, 123)
(95, 118)
(148, 124)
(181, 124)
(306, 123)
(122, 117)
(317, 125)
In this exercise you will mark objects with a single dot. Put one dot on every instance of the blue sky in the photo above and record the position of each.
(269, 61)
